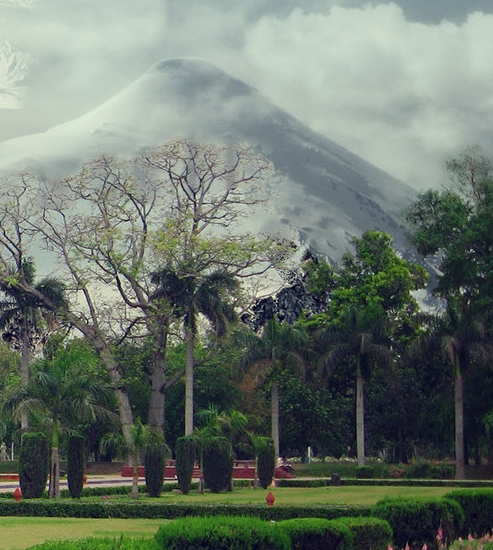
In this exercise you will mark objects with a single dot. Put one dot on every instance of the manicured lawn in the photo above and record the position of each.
(21, 533)
(344, 495)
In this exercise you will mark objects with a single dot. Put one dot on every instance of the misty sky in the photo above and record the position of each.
(404, 84)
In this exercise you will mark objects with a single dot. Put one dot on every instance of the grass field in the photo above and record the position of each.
(22, 533)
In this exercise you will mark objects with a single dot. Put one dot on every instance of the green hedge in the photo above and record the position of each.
(221, 533)
(71, 508)
(417, 521)
(317, 534)
(477, 505)
(369, 533)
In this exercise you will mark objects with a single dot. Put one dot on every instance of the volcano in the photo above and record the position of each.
(322, 193)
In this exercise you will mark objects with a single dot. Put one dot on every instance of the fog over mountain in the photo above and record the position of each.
(322, 194)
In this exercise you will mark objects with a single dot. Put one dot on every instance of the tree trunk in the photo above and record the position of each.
(54, 486)
(460, 469)
(135, 479)
(275, 416)
(189, 379)
(156, 402)
(360, 417)
(25, 367)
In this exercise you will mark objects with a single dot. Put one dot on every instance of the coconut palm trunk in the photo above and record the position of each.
(54, 486)
(189, 380)
(360, 415)
(25, 369)
(460, 470)
(275, 416)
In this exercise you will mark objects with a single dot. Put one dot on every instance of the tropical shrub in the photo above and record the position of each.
(75, 465)
(365, 472)
(33, 465)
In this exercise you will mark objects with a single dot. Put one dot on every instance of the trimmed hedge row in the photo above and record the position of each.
(70, 508)
(240, 533)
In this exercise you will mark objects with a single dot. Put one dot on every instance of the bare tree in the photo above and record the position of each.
(114, 224)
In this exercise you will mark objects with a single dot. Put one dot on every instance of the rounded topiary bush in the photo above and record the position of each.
(317, 534)
(222, 533)
(33, 465)
(185, 451)
(75, 465)
(218, 465)
(477, 505)
(369, 533)
(418, 521)
(266, 464)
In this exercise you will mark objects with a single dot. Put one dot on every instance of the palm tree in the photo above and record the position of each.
(20, 314)
(355, 337)
(216, 428)
(191, 294)
(279, 346)
(64, 392)
(463, 335)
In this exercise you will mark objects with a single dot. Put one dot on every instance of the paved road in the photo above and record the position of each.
(92, 481)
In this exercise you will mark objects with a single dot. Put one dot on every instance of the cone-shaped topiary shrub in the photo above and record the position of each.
(185, 450)
(218, 465)
(75, 465)
(266, 463)
(154, 460)
(33, 465)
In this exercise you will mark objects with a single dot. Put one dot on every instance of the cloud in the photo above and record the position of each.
(403, 95)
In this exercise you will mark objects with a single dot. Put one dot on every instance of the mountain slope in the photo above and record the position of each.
(323, 193)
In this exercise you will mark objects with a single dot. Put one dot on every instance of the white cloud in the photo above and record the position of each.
(404, 95)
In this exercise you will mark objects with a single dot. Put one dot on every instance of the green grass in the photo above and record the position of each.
(349, 495)
(21, 533)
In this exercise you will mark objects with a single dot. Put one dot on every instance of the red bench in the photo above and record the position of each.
(242, 469)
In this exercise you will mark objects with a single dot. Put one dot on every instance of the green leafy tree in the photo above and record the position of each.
(64, 391)
(453, 228)
(371, 305)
